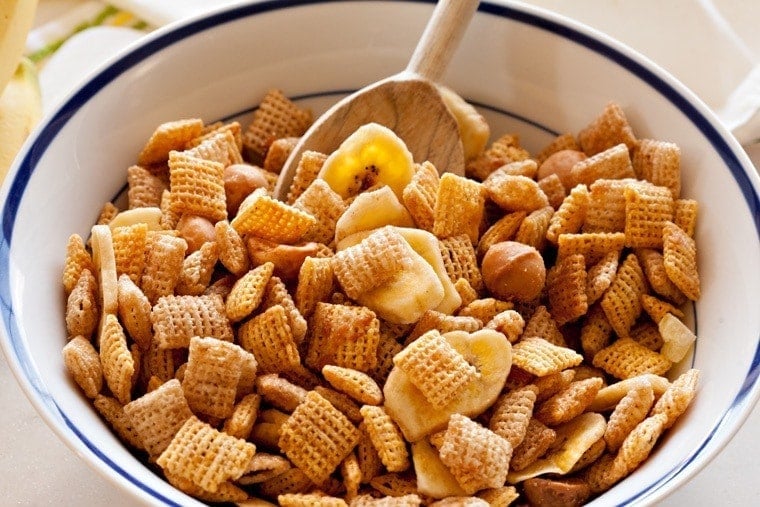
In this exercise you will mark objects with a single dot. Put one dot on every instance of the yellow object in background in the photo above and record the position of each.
(16, 18)
(20, 110)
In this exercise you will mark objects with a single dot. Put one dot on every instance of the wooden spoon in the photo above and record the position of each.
(408, 102)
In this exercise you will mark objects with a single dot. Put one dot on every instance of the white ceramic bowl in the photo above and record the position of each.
(530, 71)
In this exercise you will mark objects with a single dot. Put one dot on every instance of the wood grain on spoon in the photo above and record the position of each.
(408, 103)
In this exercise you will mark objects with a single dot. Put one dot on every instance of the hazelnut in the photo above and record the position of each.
(196, 231)
(513, 271)
(239, 181)
(287, 259)
(561, 163)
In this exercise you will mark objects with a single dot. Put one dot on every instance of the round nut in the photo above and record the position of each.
(561, 163)
(514, 271)
(196, 231)
(287, 259)
(239, 181)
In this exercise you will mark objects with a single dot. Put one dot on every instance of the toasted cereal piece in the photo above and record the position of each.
(659, 162)
(158, 415)
(476, 456)
(386, 437)
(306, 172)
(270, 219)
(600, 276)
(628, 413)
(593, 246)
(232, 251)
(614, 163)
(129, 244)
(219, 146)
(169, 217)
(459, 207)
(212, 129)
(387, 348)
(604, 473)
(173, 135)
(276, 294)
(512, 413)
(533, 229)
(82, 312)
(158, 362)
(292, 480)
(540, 357)
(326, 206)
(367, 456)
(278, 153)
(685, 215)
(247, 293)
(240, 423)
(514, 193)
(622, 301)
(435, 368)
(317, 437)
(502, 151)
(465, 291)
(608, 129)
(107, 213)
(570, 214)
(204, 456)
(212, 376)
(503, 229)
(526, 167)
(485, 309)
(509, 323)
(460, 260)
(355, 384)
(568, 403)
(225, 492)
(113, 412)
(680, 258)
(310, 499)
(315, 284)
(538, 438)
(543, 325)
(553, 383)
(174, 323)
(590, 455)
(197, 186)
(499, 497)
(83, 364)
(116, 359)
(639, 442)
(279, 392)
(653, 264)
(647, 208)
(264, 466)
(552, 187)
(419, 196)
(564, 141)
(77, 260)
(677, 397)
(269, 337)
(566, 288)
(443, 323)
(595, 332)
(366, 500)
(342, 335)
(276, 117)
(342, 402)
(625, 358)
(606, 205)
(165, 255)
(351, 474)
(197, 270)
(144, 188)
(647, 334)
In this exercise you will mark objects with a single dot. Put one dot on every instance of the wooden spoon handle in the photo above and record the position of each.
(441, 38)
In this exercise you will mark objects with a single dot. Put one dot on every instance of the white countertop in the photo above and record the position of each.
(38, 469)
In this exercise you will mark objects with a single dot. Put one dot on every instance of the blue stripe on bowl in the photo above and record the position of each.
(166, 37)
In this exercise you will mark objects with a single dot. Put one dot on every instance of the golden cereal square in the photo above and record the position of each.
(685, 215)
(622, 301)
(534, 228)
(626, 358)
(459, 207)
(164, 259)
(570, 215)
(659, 162)
(680, 258)
(504, 229)
(514, 192)
(502, 151)
(116, 359)
(326, 206)
(540, 357)
(608, 129)
(269, 338)
(205, 456)
(647, 208)
(262, 216)
(345, 336)
(593, 246)
(317, 437)
(606, 206)
(420, 195)
(169, 136)
(278, 153)
(144, 188)
(174, 323)
(197, 186)
(460, 260)
(306, 172)
(276, 117)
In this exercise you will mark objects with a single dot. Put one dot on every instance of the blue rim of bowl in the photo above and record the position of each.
(167, 37)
